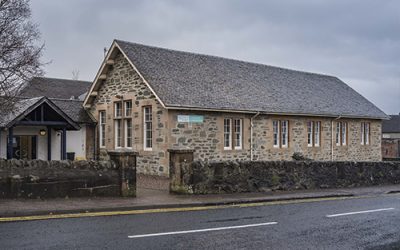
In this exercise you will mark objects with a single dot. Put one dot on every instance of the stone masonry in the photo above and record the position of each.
(206, 139)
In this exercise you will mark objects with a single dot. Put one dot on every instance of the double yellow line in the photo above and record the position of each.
(166, 210)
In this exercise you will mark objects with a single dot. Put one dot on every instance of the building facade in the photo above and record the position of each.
(391, 138)
(139, 108)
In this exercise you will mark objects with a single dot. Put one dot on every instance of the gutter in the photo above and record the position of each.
(337, 118)
(251, 134)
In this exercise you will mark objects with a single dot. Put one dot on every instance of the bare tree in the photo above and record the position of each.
(19, 49)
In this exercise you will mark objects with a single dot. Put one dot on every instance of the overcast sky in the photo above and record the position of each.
(357, 41)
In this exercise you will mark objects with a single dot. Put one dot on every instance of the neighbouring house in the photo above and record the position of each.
(48, 122)
(154, 101)
(391, 138)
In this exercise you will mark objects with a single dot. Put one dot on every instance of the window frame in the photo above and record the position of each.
(125, 111)
(344, 133)
(118, 133)
(284, 141)
(228, 132)
(116, 109)
(310, 133)
(102, 128)
(238, 134)
(317, 133)
(276, 133)
(126, 130)
(146, 129)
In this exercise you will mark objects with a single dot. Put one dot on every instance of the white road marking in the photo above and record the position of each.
(360, 212)
(202, 230)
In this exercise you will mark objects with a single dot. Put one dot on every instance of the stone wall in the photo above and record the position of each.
(258, 176)
(51, 179)
(124, 83)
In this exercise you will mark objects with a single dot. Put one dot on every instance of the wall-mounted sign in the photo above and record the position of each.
(191, 118)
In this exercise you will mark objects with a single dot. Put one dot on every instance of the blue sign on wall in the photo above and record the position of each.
(191, 118)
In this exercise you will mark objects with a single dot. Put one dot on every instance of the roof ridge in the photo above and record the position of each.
(63, 79)
(62, 99)
(225, 58)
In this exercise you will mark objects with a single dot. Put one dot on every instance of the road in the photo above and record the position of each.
(359, 223)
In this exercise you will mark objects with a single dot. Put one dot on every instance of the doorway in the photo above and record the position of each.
(25, 147)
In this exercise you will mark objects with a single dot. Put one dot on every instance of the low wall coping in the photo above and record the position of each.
(172, 150)
(122, 152)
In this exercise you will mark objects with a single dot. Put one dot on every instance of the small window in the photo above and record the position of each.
(284, 133)
(238, 124)
(117, 109)
(118, 134)
(275, 128)
(227, 134)
(128, 133)
(310, 127)
(102, 128)
(365, 133)
(317, 134)
(128, 108)
(344, 133)
(338, 128)
(148, 128)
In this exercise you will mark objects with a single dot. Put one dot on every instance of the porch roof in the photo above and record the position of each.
(24, 106)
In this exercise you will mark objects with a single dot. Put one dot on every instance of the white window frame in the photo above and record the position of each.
(367, 133)
(238, 133)
(146, 123)
(344, 133)
(317, 134)
(126, 109)
(276, 133)
(310, 133)
(338, 133)
(284, 133)
(363, 133)
(126, 128)
(118, 133)
(118, 111)
(102, 128)
(228, 131)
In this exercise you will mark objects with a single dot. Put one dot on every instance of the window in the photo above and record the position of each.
(148, 128)
(238, 124)
(313, 133)
(338, 128)
(341, 133)
(117, 109)
(280, 131)
(365, 133)
(317, 134)
(284, 133)
(128, 133)
(275, 125)
(344, 133)
(102, 128)
(227, 134)
(118, 133)
(310, 127)
(128, 108)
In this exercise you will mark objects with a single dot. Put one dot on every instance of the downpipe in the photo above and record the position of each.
(251, 134)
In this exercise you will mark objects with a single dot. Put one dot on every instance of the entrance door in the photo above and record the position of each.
(24, 147)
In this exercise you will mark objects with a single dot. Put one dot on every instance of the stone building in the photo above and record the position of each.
(391, 138)
(153, 100)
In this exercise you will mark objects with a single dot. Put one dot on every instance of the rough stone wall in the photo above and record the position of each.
(207, 138)
(51, 179)
(262, 176)
(123, 81)
(90, 143)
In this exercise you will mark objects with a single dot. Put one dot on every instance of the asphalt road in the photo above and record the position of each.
(362, 223)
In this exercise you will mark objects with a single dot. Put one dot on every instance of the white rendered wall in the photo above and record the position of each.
(76, 142)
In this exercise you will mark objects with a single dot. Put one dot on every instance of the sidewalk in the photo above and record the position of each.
(149, 199)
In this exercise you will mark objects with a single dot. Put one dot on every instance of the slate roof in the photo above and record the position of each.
(55, 88)
(74, 109)
(392, 125)
(183, 79)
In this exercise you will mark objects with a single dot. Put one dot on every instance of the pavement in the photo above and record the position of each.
(155, 199)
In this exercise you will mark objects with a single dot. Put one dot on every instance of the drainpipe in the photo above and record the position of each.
(332, 141)
(251, 134)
